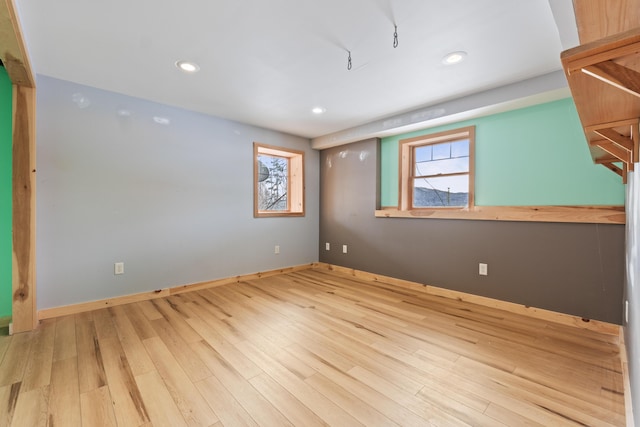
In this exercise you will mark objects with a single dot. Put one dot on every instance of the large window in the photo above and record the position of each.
(436, 171)
(278, 176)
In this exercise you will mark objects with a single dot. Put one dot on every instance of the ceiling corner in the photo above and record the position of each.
(565, 17)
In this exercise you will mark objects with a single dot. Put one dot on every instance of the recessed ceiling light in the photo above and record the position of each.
(188, 67)
(454, 58)
(318, 110)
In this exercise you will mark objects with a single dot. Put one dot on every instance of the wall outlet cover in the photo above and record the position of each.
(483, 269)
(118, 268)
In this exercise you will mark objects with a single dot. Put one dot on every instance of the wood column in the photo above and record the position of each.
(24, 209)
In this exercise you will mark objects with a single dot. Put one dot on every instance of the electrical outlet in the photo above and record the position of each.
(483, 269)
(344, 249)
(276, 250)
(327, 246)
(118, 268)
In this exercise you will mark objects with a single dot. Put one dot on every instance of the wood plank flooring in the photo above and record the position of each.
(310, 348)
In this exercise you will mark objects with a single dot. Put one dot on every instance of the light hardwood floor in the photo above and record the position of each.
(308, 348)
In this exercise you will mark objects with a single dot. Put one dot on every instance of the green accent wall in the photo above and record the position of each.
(6, 203)
(534, 156)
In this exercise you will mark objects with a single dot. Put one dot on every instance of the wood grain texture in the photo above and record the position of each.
(64, 397)
(602, 72)
(549, 316)
(571, 214)
(159, 293)
(97, 409)
(163, 410)
(597, 19)
(313, 347)
(14, 53)
(24, 213)
(616, 75)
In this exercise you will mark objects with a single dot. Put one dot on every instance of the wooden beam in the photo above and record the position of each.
(597, 19)
(616, 138)
(603, 160)
(625, 171)
(24, 212)
(613, 149)
(13, 51)
(616, 75)
(616, 124)
(609, 48)
(612, 167)
(635, 140)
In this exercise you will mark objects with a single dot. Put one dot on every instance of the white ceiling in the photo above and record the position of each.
(268, 62)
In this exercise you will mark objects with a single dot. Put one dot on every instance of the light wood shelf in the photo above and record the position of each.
(571, 214)
(604, 78)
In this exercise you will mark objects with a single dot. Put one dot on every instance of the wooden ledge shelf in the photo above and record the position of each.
(604, 78)
(571, 214)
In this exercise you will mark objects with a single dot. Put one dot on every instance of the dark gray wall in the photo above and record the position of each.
(174, 201)
(576, 269)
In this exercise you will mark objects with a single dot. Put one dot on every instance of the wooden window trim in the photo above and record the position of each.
(405, 193)
(569, 214)
(295, 180)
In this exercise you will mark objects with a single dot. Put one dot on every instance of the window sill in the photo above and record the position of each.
(576, 214)
(277, 214)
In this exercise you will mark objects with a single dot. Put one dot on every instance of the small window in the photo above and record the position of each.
(278, 176)
(436, 171)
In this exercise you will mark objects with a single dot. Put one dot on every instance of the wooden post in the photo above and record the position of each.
(24, 209)
(16, 60)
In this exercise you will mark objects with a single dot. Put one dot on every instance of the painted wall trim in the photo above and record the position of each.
(537, 313)
(161, 293)
(571, 214)
(537, 90)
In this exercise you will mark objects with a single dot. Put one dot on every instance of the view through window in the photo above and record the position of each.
(278, 181)
(437, 170)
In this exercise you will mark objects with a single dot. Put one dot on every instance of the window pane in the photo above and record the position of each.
(435, 167)
(441, 191)
(423, 153)
(460, 148)
(441, 151)
(272, 183)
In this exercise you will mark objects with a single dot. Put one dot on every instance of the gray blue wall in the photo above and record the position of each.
(570, 268)
(173, 202)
